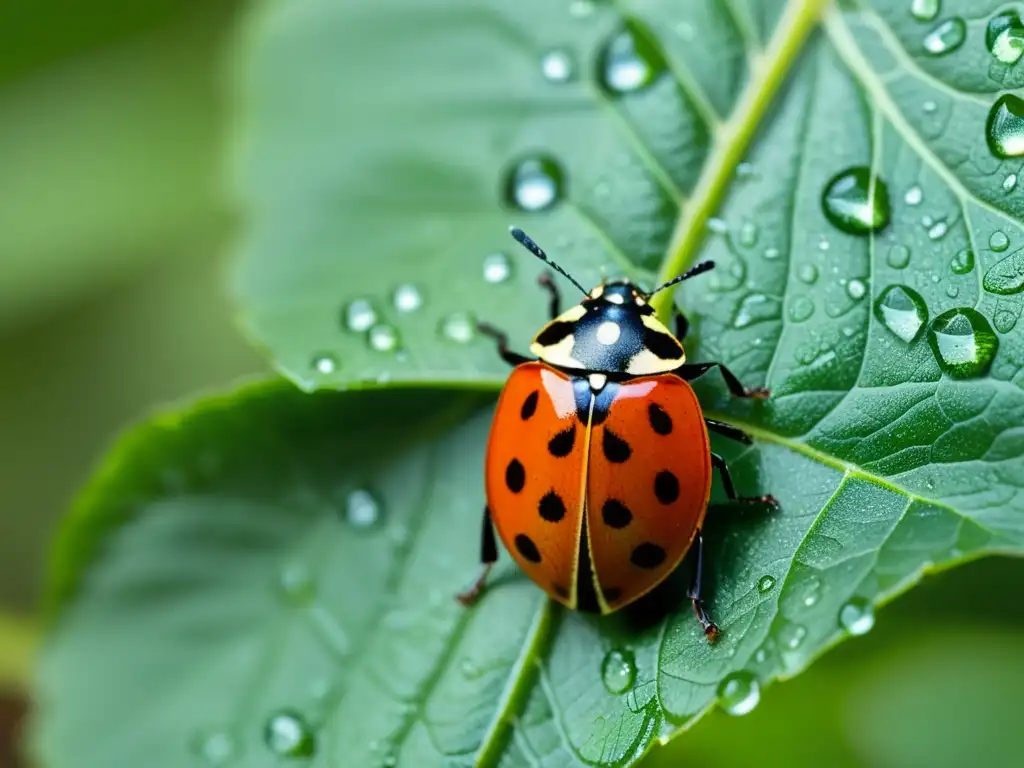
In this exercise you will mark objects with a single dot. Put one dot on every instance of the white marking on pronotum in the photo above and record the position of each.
(597, 381)
(615, 298)
(608, 333)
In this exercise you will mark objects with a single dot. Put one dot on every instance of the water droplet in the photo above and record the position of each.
(383, 338)
(898, 256)
(945, 37)
(685, 30)
(748, 234)
(902, 311)
(629, 62)
(801, 309)
(408, 298)
(1010, 183)
(717, 225)
(581, 8)
(469, 669)
(296, 584)
(771, 253)
(998, 242)
(497, 267)
(857, 617)
(765, 584)
(745, 171)
(618, 670)
(924, 10)
(1004, 129)
(362, 510)
(792, 635)
(739, 693)
(1004, 37)
(360, 315)
(217, 748)
(938, 230)
(1004, 320)
(761, 656)
(325, 363)
(823, 244)
(808, 273)
(963, 342)
(287, 734)
(952, 291)
(753, 308)
(855, 202)
(963, 262)
(913, 195)
(459, 327)
(929, 106)
(855, 289)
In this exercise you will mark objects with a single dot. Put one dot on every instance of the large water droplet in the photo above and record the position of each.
(287, 734)
(629, 62)
(998, 241)
(359, 315)
(963, 262)
(739, 693)
(800, 309)
(618, 670)
(324, 363)
(855, 202)
(791, 635)
(902, 311)
(408, 298)
(1007, 276)
(913, 195)
(216, 748)
(924, 10)
(765, 584)
(946, 36)
(1004, 37)
(362, 510)
(296, 584)
(497, 267)
(963, 342)
(534, 184)
(557, 65)
(1004, 129)
(898, 256)
(383, 338)
(459, 327)
(857, 617)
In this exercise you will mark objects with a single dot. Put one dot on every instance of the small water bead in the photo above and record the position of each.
(1004, 320)
(963, 262)
(754, 308)
(761, 656)
(459, 327)
(1007, 276)
(717, 225)
(808, 273)
(902, 311)
(857, 617)
(998, 241)
(748, 234)
(497, 267)
(913, 196)
(618, 670)
(325, 363)
(216, 748)
(791, 636)
(534, 184)
(739, 693)
(360, 315)
(362, 510)
(629, 62)
(771, 253)
(745, 171)
(407, 298)
(581, 8)
(1010, 183)
(557, 66)
(801, 309)
(924, 10)
(856, 289)
(1004, 37)
(898, 257)
(287, 734)
(685, 30)
(765, 584)
(946, 36)
(963, 342)
(1004, 128)
(823, 244)
(297, 585)
(952, 291)
(929, 106)
(855, 201)
(383, 338)
(938, 230)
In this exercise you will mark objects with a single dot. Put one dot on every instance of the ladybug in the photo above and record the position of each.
(598, 467)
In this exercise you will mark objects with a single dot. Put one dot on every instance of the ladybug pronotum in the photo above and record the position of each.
(598, 467)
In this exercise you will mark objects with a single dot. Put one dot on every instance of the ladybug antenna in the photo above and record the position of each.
(527, 242)
(697, 269)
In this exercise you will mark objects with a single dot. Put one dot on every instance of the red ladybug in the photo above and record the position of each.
(598, 466)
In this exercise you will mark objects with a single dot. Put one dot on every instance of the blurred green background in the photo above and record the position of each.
(114, 233)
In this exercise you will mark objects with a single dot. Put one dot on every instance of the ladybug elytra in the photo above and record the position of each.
(598, 468)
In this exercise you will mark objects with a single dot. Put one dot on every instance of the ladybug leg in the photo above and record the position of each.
(556, 299)
(510, 357)
(728, 430)
(692, 371)
(730, 489)
(694, 593)
(488, 556)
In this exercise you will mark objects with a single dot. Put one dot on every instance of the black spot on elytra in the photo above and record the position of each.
(661, 422)
(561, 444)
(554, 333)
(515, 476)
(528, 549)
(611, 594)
(551, 507)
(616, 450)
(666, 487)
(662, 345)
(616, 514)
(529, 405)
(647, 555)
(561, 591)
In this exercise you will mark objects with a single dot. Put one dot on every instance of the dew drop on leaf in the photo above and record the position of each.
(407, 298)
(745, 171)
(963, 262)
(963, 342)
(1010, 183)
(581, 8)
(998, 241)
(497, 267)
(557, 66)
(1007, 276)
(791, 635)
(754, 308)
(216, 748)
(748, 234)
(459, 327)
(856, 289)
(924, 10)
(898, 256)
(857, 616)
(296, 584)
(823, 244)
(1004, 320)
(810, 590)
(945, 37)
(618, 670)
(913, 195)
(534, 184)
(808, 273)
(938, 230)
(717, 225)
(765, 584)
(324, 363)
(761, 656)
(1004, 129)
(801, 309)
(739, 693)
(855, 202)
(362, 510)
(383, 338)
(771, 253)
(359, 315)
(929, 106)
(287, 734)
(629, 62)
(902, 311)
(1004, 37)
(952, 291)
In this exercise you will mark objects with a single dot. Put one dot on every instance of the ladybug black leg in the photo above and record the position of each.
(730, 489)
(488, 556)
(682, 325)
(510, 357)
(728, 430)
(556, 299)
(692, 371)
(694, 593)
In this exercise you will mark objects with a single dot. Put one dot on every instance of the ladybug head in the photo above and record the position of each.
(614, 330)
